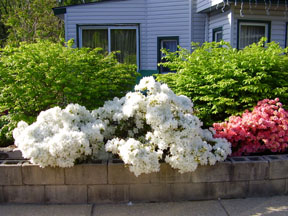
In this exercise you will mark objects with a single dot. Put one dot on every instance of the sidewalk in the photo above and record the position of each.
(271, 206)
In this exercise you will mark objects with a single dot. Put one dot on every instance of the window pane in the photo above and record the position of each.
(250, 34)
(171, 46)
(218, 36)
(124, 40)
(95, 38)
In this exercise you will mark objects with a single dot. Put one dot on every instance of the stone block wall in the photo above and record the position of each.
(111, 181)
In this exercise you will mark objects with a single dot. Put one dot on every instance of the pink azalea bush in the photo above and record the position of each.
(265, 129)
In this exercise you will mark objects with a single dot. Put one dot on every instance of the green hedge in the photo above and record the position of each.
(223, 81)
(35, 77)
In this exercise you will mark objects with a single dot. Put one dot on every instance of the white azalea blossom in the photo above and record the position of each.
(144, 127)
(153, 123)
(59, 137)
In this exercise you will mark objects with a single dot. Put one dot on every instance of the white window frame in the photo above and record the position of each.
(109, 28)
(241, 23)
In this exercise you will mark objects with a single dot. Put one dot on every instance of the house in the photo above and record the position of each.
(140, 28)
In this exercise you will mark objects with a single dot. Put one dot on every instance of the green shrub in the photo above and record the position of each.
(223, 81)
(36, 77)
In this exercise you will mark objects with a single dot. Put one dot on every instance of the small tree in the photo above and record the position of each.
(36, 77)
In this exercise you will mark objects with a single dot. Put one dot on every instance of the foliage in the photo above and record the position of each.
(145, 126)
(30, 20)
(262, 130)
(36, 77)
(222, 81)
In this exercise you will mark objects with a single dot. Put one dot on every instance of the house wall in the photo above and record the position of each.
(205, 4)
(198, 21)
(166, 18)
(110, 12)
(258, 13)
(219, 19)
(156, 18)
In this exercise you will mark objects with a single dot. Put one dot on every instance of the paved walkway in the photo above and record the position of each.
(272, 206)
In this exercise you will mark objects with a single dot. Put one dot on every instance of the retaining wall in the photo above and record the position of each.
(111, 181)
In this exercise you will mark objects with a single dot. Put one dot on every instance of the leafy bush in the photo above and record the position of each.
(142, 128)
(222, 81)
(36, 77)
(262, 130)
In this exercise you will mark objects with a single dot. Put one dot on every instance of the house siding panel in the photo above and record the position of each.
(277, 18)
(156, 18)
(116, 12)
(220, 20)
(166, 18)
(205, 4)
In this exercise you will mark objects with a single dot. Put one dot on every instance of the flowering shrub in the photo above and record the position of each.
(142, 128)
(59, 137)
(263, 129)
(153, 124)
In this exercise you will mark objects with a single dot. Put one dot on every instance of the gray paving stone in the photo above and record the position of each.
(273, 206)
(207, 208)
(45, 210)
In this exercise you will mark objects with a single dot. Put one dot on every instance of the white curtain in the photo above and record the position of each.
(250, 34)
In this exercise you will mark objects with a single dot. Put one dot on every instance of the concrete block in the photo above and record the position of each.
(229, 190)
(10, 173)
(150, 192)
(1, 194)
(190, 191)
(278, 166)
(108, 193)
(10, 153)
(169, 175)
(249, 168)
(119, 174)
(72, 194)
(267, 187)
(35, 175)
(3, 156)
(286, 191)
(15, 155)
(23, 194)
(85, 174)
(207, 191)
(220, 172)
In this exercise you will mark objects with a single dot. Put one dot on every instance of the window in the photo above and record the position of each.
(112, 38)
(250, 32)
(286, 39)
(170, 44)
(217, 34)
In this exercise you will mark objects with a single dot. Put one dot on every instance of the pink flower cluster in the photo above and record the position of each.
(262, 130)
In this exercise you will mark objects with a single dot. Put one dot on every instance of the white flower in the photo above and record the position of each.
(155, 120)
(60, 137)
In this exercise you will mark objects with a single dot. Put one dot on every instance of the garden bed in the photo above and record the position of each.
(111, 181)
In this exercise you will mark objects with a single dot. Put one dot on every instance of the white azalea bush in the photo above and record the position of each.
(153, 124)
(145, 127)
(59, 137)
